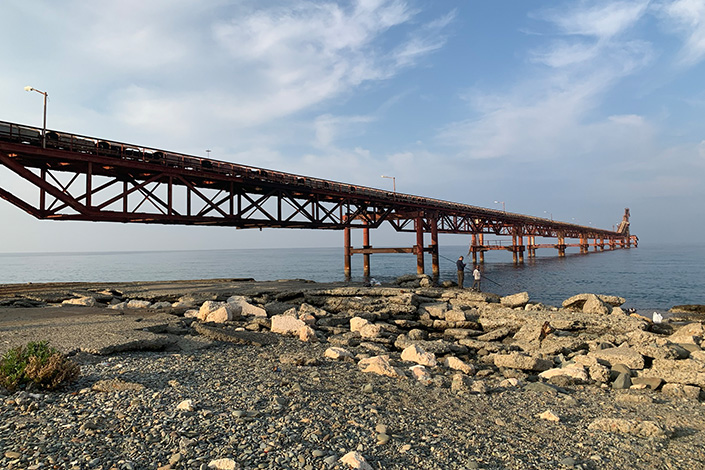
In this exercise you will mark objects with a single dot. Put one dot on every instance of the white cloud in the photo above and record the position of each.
(329, 128)
(602, 20)
(688, 18)
(547, 115)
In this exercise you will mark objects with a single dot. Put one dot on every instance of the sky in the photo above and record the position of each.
(573, 110)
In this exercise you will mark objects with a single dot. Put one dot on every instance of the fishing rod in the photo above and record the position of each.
(483, 275)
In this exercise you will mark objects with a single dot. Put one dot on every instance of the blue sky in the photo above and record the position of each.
(575, 109)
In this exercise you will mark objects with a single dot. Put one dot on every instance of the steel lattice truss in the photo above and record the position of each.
(83, 178)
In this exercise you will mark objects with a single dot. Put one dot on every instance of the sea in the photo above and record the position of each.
(650, 277)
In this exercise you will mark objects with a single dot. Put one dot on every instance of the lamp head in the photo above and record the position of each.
(28, 88)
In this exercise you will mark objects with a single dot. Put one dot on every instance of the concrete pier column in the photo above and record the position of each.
(366, 256)
(434, 249)
(520, 247)
(419, 245)
(347, 251)
(481, 242)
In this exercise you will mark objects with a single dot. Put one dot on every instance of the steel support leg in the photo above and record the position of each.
(366, 256)
(347, 251)
(434, 249)
(419, 246)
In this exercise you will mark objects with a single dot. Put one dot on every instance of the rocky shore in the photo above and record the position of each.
(297, 375)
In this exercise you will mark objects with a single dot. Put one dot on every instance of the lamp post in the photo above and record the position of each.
(501, 202)
(208, 153)
(44, 126)
(394, 182)
(550, 213)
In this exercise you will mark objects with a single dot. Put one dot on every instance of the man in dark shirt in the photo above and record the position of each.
(461, 271)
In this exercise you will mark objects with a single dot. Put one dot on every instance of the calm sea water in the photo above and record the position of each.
(651, 277)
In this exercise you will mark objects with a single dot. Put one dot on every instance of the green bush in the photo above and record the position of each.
(36, 363)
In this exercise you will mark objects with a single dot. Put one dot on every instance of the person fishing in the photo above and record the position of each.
(461, 271)
(477, 276)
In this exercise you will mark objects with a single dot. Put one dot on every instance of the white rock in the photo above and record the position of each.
(186, 405)
(421, 374)
(208, 307)
(82, 302)
(356, 461)
(453, 362)
(357, 323)
(118, 306)
(510, 382)
(220, 315)
(139, 304)
(306, 334)
(286, 325)
(549, 415)
(415, 354)
(337, 353)
(378, 365)
(575, 371)
(242, 307)
(223, 464)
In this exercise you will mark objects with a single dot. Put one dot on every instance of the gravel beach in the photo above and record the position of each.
(237, 396)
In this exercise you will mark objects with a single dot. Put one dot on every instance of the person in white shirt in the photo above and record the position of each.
(476, 276)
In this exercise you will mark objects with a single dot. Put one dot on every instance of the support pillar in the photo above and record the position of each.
(366, 256)
(520, 247)
(561, 245)
(481, 237)
(514, 249)
(473, 249)
(419, 246)
(434, 249)
(347, 251)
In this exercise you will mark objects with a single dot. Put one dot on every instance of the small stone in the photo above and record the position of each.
(622, 382)
(186, 405)
(382, 438)
(549, 415)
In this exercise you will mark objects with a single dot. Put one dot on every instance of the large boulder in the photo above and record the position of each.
(515, 300)
(577, 302)
(82, 302)
(241, 307)
(378, 365)
(217, 312)
(416, 354)
(286, 325)
(685, 371)
(622, 355)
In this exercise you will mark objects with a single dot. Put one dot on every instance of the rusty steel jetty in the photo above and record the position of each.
(94, 179)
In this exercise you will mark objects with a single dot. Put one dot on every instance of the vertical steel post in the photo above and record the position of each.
(561, 245)
(419, 245)
(89, 184)
(473, 248)
(42, 192)
(482, 244)
(434, 249)
(366, 244)
(514, 247)
(347, 251)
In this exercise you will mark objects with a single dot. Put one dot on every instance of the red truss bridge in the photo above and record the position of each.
(93, 179)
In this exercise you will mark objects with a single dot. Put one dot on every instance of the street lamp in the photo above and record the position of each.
(550, 213)
(501, 202)
(44, 127)
(208, 152)
(394, 182)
